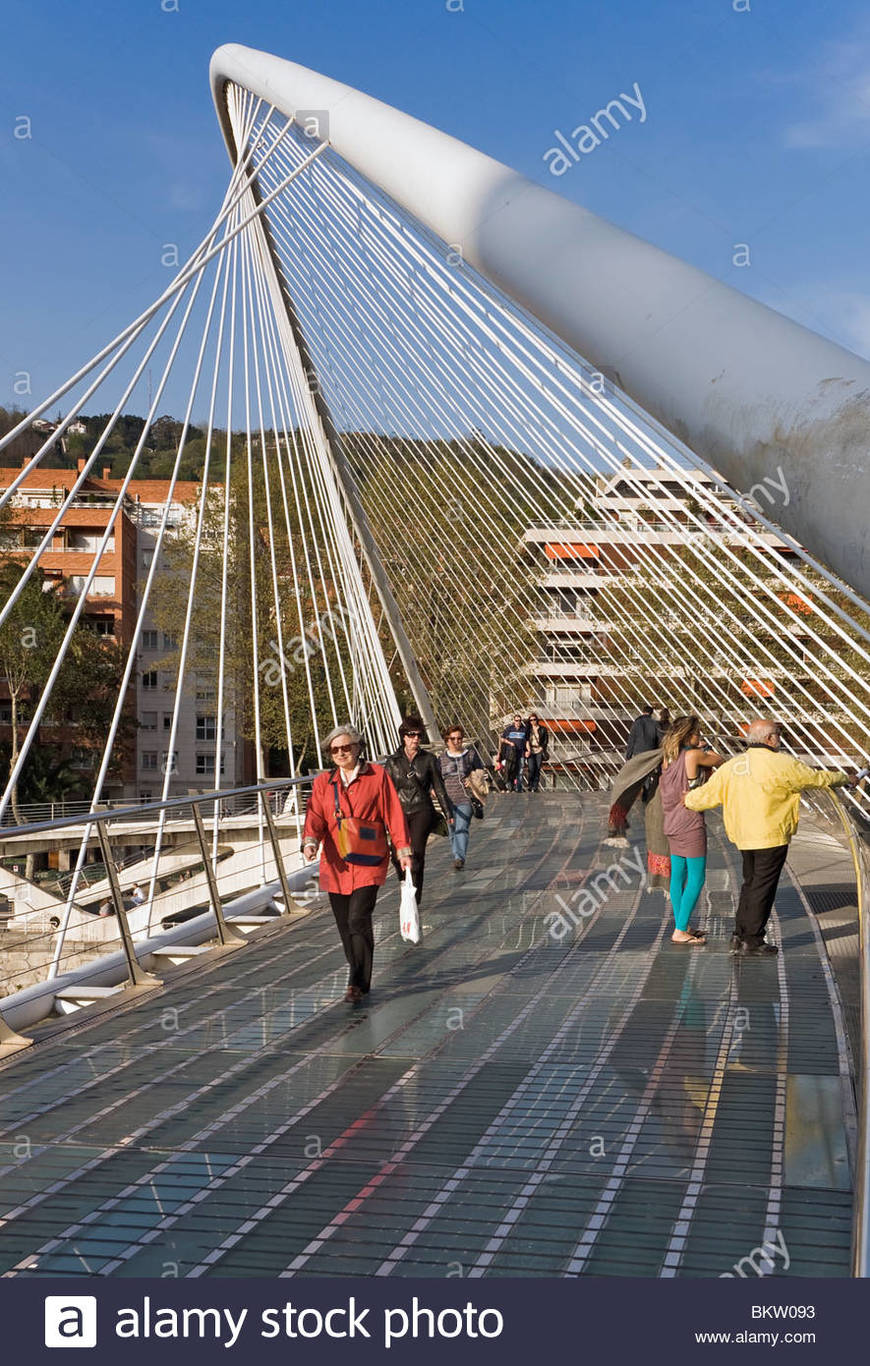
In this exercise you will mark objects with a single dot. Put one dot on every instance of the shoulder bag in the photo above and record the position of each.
(363, 843)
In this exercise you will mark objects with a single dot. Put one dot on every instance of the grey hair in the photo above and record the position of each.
(352, 735)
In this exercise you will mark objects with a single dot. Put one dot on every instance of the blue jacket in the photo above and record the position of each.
(517, 738)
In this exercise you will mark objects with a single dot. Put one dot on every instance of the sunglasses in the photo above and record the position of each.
(341, 749)
(413, 734)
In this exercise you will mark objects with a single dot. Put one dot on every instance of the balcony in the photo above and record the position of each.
(609, 531)
(554, 621)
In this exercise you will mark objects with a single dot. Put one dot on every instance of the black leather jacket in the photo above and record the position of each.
(415, 781)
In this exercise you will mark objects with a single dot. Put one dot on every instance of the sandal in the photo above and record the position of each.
(691, 941)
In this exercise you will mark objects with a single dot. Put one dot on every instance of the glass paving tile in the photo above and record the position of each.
(503, 1100)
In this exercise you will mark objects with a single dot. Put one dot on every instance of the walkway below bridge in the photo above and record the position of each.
(504, 1104)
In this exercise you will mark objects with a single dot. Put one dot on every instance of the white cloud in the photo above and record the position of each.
(838, 87)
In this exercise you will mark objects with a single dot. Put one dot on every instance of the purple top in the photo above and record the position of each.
(686, 831)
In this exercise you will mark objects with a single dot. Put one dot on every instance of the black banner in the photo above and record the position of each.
(123, 1321)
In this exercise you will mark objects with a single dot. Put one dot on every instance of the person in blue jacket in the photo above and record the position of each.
(512, 752)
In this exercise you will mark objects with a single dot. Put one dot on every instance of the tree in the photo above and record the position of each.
(302, 649)
(468, 622)
(29, 641)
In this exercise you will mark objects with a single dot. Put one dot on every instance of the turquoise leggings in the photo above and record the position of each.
(687, 879)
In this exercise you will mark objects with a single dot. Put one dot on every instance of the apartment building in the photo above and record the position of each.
(586, 687)
(112, 609)
(192, 762)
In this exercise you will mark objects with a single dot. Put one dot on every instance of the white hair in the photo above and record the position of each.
(761, 729)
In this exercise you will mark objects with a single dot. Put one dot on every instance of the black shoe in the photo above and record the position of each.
(736, 944)
(759, 951)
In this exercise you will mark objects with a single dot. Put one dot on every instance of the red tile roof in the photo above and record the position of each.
(149, 490)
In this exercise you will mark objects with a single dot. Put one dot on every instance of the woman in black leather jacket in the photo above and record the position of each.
(416, 776)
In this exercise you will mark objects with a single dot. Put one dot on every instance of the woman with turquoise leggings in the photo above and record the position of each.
(685, 764)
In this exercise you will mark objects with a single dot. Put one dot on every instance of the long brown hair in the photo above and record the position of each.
(677, 735)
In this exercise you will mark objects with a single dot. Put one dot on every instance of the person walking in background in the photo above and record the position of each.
(457, 763)
(759, 793)
(351, 809)
(514, 737)
(685, 765)
(644, 734)
(662, 718)
(537, 750)
(416, 777)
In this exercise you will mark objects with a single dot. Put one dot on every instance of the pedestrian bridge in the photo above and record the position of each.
(465, 448)
(506, 1103)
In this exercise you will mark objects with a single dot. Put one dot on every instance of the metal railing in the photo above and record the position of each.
(858, 839)
(214, 889)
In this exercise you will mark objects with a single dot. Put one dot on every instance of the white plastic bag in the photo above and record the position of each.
(409, 916)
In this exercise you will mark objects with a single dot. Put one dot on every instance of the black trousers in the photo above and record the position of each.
(533, 773)
(353, 916)
(419, 825)
(761, 870)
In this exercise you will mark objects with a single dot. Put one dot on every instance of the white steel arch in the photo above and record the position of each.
(746, 388)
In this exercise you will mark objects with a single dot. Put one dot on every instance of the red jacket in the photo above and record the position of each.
(370, 797)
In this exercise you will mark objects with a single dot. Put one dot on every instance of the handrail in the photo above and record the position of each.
(860, 852)
(100, 815)
(100, 820)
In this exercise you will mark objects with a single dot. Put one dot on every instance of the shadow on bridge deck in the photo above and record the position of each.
(504, 1104)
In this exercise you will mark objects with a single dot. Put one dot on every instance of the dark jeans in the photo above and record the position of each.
(419, 825)
(533, 772)
(514, 773)
(353, 916)
(761, 870)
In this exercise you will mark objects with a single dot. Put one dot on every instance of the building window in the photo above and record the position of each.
(103, 586)
(167, 720)
(169, 642)
(149, 640)
(148, 721)
(100, 624)
(169, 761)
(5, 714)
(88, 542)
(147, 558)
(149, 679)
(149, 759)
(205, 765)
(145, 794)
(206, 727)
(204, 689)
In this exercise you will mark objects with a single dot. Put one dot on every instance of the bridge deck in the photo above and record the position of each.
(505, 1105)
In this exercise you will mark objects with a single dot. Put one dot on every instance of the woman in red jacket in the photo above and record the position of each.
(351, 809)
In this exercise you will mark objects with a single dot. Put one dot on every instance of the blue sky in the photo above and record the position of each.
(757, 131)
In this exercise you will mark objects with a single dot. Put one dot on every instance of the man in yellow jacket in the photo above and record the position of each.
(759, 793)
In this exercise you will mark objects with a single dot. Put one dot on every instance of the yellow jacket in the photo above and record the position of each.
(759, 793)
